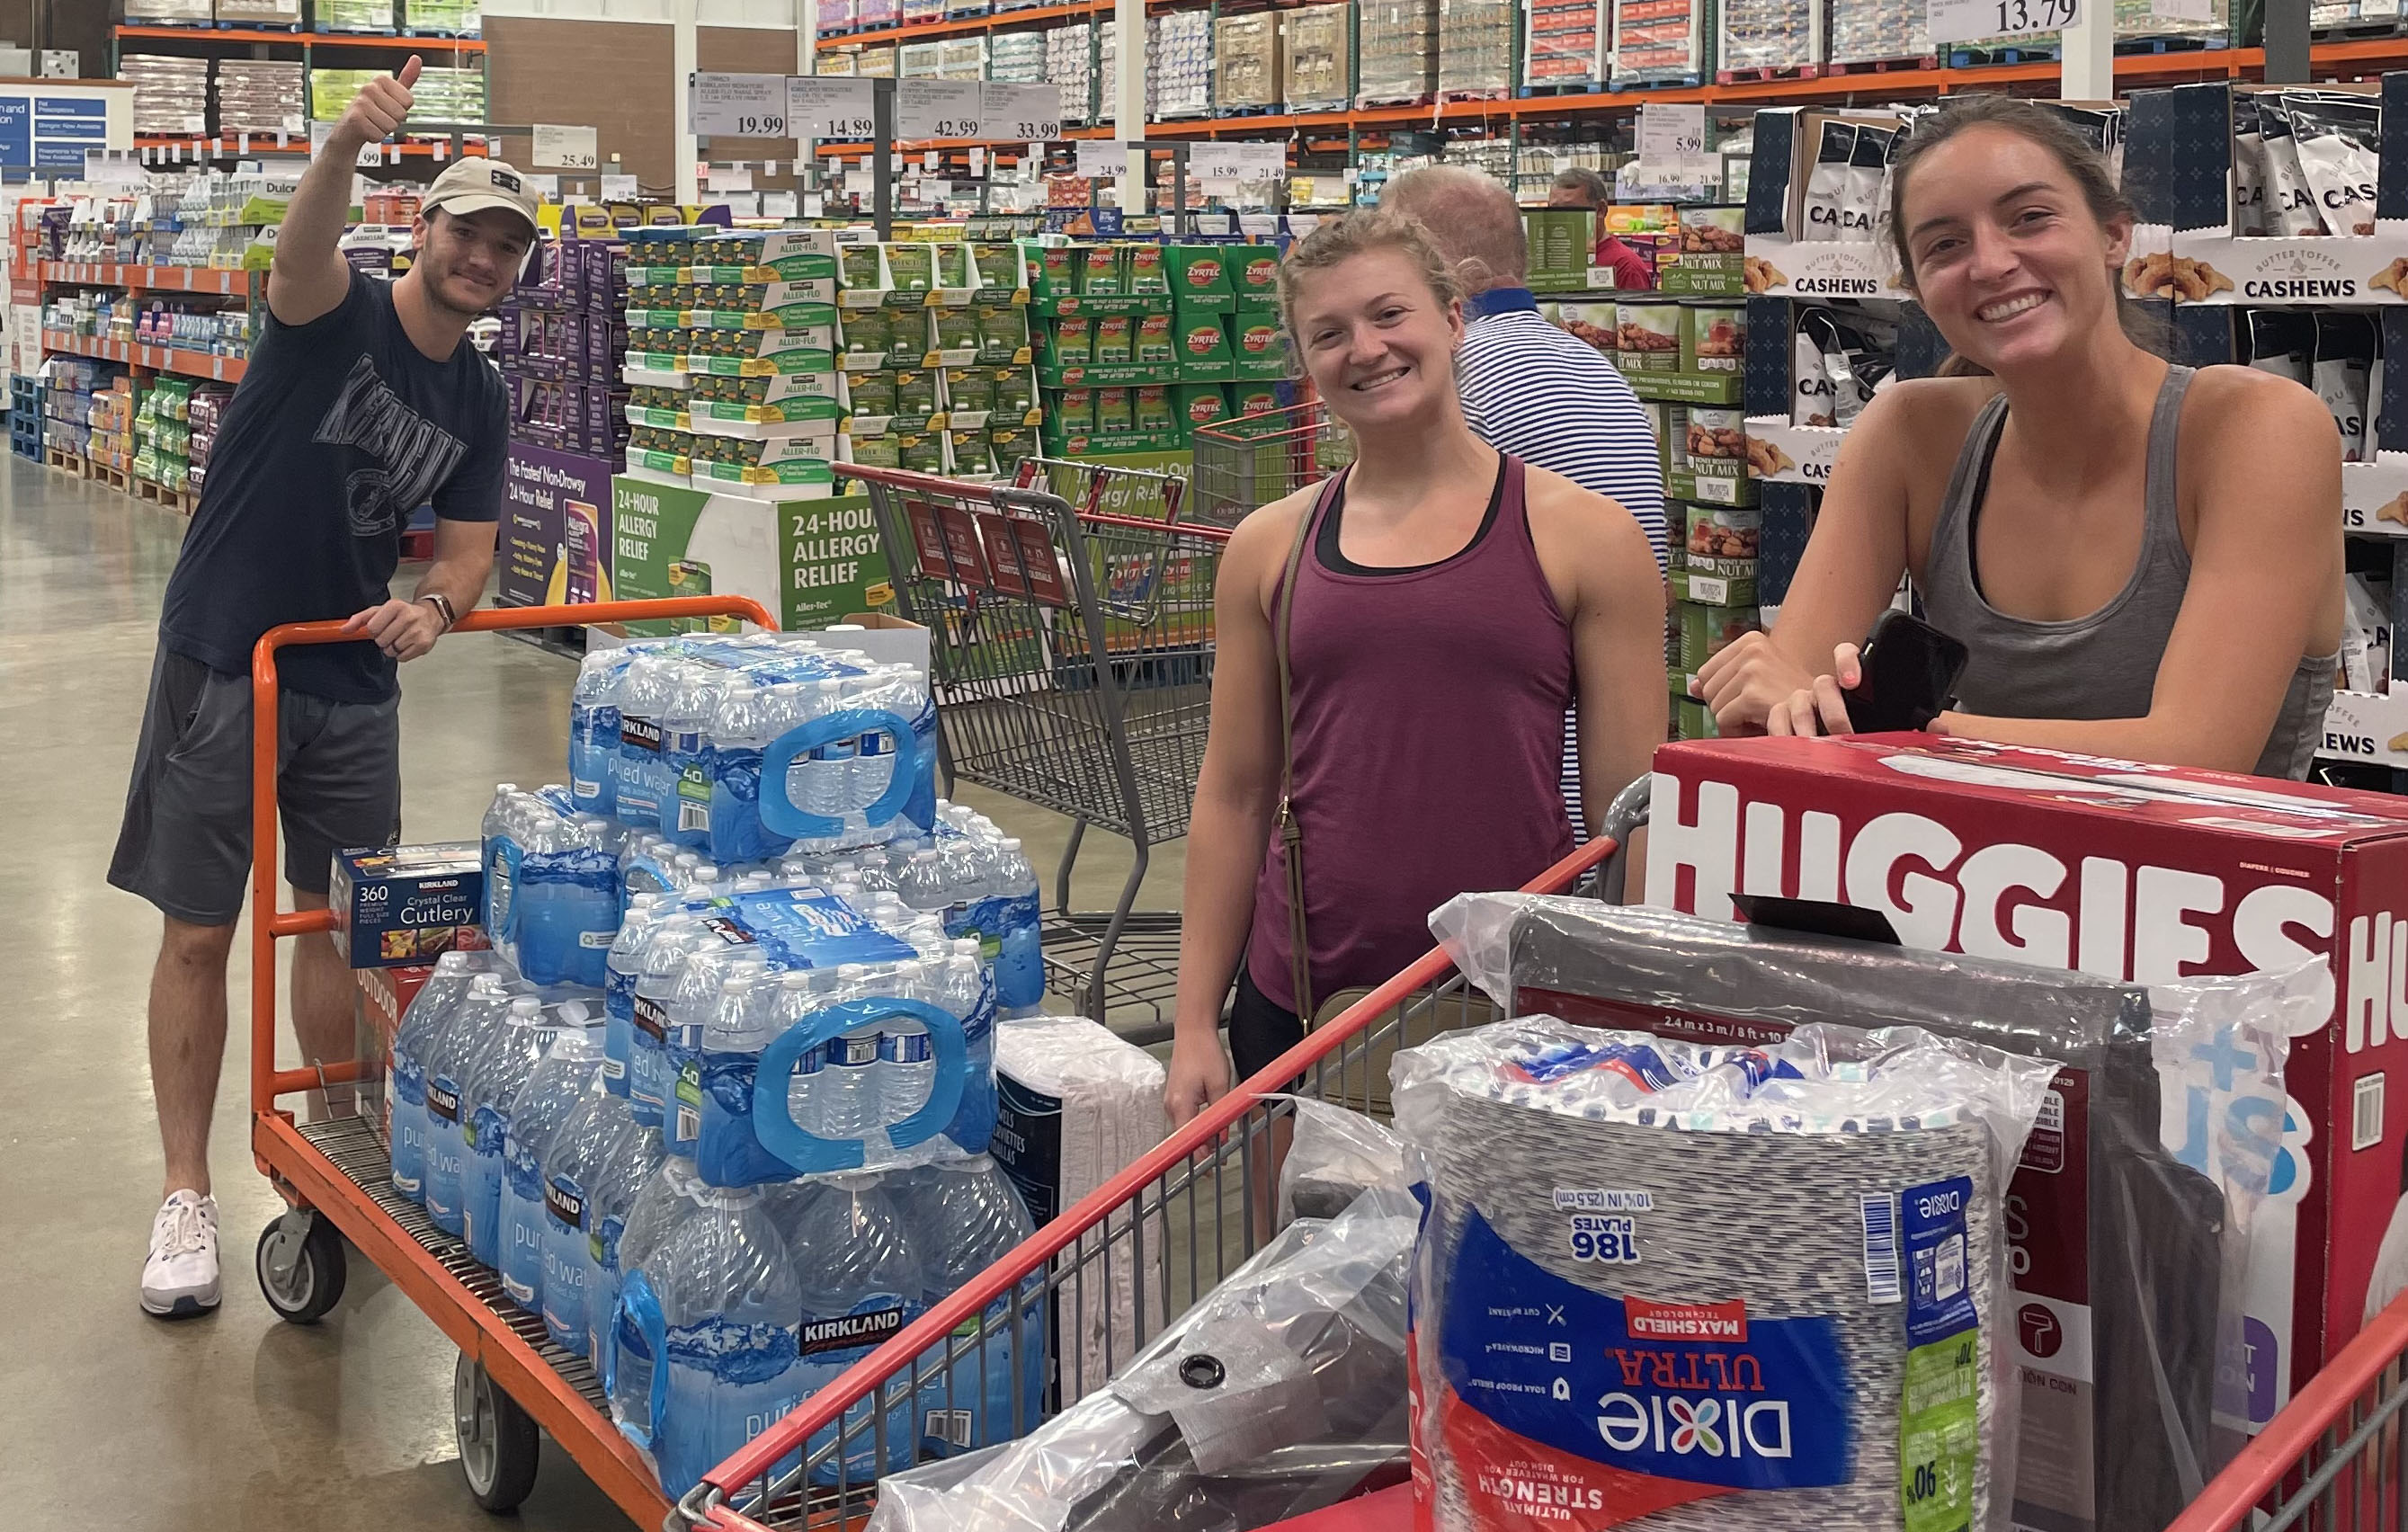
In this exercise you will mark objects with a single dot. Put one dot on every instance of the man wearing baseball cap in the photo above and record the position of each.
(361, 401)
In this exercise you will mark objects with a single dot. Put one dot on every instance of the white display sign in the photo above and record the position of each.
(940, 108)
(822, 108)
(1672, 138)
(780, 205)
(1963, 21)
(1029, 112)
(568, 148)
(1100, 157)
(619, 189)
(731, 177)
(738, 106)
(2182, 10)
(1236, 162)
(543, 186)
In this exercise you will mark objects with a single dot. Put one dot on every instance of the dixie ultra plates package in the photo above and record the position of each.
(1663, 1285)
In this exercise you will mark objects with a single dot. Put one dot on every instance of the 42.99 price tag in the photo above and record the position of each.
(1968, 21)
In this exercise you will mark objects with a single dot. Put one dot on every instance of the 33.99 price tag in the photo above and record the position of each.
(1029, 112)
(1964, 20)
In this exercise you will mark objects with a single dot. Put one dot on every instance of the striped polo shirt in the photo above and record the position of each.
(1542, 395)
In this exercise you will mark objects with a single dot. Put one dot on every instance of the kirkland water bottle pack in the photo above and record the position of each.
(551, 886)
(979, 880)
(496, 1069)
(435, 1005)
(1589, 1338)
(746, 747)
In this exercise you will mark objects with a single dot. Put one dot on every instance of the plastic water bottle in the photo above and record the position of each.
(965, 1216)
(558, 1085)
(621, 967)
(567, 901)
(437, 1001)
(907, 1054)
(500, 854)
(717, 981)
(623, 1168)
(482, 1012)
(495, 1074)
(674, 940)
(862, 1280)
(923, 883)
(685, 776)
(565, 1176)
(728, 1295)
(843, 1099)
(643, 696)
(594, 728)
(1020, 958)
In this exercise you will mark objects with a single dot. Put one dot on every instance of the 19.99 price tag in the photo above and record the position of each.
(738, 106)
(1965, 21)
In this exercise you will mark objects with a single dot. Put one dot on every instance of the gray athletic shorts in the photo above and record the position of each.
(185, 845)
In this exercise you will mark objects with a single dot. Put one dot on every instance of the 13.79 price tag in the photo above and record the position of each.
(1965, 21)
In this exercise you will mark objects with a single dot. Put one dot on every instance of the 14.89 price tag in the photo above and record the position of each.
(1965, 21)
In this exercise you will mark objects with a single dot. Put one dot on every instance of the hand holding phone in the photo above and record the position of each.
(1904, 677)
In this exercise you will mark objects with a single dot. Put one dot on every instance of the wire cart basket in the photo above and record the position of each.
(1072, 652)
(1252, 460)
(1111, 1272)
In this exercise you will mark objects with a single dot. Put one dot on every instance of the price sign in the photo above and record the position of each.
(730, 177)
(619, 189)
(738, 106)
(543, 186)
(1672, 135)
(1963, 21)
(2182, 10)
(1100, 158)
(940, 108)
(1030, 112)
(568, 148)
(780, 205)
(1236, 162)
(820, 107)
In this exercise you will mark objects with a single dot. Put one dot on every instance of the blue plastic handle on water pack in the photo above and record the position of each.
(639, 1302)
(773, 1117)
(781, 814)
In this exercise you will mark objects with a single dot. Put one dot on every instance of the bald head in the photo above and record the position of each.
(1474, 219)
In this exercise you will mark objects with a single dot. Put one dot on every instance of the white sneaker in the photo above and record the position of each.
(179, 1281)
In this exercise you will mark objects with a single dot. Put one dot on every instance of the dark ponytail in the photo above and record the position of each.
(2089, 169)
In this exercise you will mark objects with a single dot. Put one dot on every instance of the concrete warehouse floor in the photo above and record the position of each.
(236, 1420)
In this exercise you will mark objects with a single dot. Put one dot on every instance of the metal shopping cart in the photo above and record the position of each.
(1254, 460)
(1072, 652)
(509, 1381)
(1126, 1260)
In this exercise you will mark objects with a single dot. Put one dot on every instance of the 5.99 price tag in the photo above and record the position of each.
(1965, 21)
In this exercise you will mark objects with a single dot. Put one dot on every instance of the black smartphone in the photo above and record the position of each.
(1910, 674)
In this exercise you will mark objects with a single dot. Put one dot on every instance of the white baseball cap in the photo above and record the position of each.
(476, 182)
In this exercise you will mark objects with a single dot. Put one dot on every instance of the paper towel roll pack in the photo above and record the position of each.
(1671, 1286)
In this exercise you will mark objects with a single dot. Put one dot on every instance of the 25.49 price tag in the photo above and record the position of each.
(1965, 21)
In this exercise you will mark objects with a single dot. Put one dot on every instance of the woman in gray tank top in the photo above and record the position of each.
(2143, 560)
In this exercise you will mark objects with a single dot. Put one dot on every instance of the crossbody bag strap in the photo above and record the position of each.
(1291, 831)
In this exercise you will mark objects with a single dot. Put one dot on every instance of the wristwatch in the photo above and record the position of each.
(442, 604)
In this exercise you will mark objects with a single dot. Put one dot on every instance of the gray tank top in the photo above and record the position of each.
(2105, 665)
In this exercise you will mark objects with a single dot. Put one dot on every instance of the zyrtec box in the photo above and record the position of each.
(2129, 871)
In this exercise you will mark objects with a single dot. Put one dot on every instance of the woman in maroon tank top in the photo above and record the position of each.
(1449, 605)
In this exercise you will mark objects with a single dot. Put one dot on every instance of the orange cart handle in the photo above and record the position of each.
(267, 923)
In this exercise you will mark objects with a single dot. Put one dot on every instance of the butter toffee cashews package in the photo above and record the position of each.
(1615, 1325)
(2139, 1197)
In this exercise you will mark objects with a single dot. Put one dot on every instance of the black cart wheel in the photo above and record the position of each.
(499, 1445)
(301, 1266)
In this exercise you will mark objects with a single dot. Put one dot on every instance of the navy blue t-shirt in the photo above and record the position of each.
(340, 429)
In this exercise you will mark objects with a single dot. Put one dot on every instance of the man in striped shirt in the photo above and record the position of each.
(1530, 388)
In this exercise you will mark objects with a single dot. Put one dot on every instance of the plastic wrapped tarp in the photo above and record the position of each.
(2136, 1195)
(1334, 1157)
(1281, 1392)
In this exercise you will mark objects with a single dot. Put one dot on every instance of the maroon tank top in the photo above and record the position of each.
(1430, 735)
